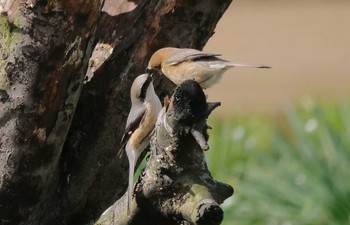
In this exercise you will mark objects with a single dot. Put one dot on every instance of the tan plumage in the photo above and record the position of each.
(180, 64)
(145, 107)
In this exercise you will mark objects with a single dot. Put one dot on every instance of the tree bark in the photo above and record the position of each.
(61, 58)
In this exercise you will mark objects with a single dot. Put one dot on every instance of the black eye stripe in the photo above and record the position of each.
(144, 88)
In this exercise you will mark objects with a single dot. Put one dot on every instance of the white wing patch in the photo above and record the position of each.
(217, 66)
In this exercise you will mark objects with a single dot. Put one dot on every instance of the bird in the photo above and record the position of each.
(145, 107)
(179, 64)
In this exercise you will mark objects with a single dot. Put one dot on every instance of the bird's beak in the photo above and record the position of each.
(149, 78)
(149, 71)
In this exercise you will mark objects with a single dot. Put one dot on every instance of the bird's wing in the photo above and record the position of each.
(188, 54)
(134, 120)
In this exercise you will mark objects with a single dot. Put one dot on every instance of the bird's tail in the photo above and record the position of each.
(248, 65)
(132, 162)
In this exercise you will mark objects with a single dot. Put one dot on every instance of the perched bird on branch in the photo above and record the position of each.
(145, 107)
(180, 64)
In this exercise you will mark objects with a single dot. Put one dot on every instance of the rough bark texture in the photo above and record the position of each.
(176, 186)
(45, 50)
(62, 57)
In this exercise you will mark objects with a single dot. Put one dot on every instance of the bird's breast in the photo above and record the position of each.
(141, 136)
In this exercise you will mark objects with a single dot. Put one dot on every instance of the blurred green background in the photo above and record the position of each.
(282, 136)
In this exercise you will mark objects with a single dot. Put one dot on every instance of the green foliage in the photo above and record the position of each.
(292, 170)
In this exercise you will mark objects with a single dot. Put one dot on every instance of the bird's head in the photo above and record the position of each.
(158, 59)
(141, 87)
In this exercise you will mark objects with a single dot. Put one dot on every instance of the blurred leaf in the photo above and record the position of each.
(285, 171)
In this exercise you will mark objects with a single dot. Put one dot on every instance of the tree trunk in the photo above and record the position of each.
(61, 58)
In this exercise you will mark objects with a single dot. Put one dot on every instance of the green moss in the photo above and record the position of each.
(5, 37)
(8, 35)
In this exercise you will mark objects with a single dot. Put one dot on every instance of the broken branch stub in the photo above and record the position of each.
(176, 183)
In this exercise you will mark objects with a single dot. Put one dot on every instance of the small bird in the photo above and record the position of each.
(180, 64)
(145, 107)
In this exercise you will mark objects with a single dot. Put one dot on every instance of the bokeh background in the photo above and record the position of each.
(307, 43)
(282, 136)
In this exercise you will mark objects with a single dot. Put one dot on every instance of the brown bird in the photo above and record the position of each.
(145, 107)
(180, 64)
